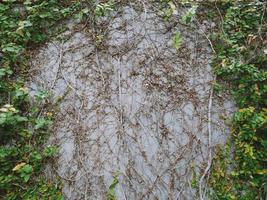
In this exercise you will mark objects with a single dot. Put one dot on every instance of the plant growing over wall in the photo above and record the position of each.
(240, 171)
(23, 130)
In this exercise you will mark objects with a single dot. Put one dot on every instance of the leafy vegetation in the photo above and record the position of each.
(177, 40)
(111, 190)
(239, 171)
(23, 128)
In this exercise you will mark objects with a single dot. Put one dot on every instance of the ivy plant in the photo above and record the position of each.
(23, 131)
(240, 170)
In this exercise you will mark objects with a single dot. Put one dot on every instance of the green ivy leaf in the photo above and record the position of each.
(11, 48)
(50, 151)
(42, 123)
(26, 169)
(190, 15)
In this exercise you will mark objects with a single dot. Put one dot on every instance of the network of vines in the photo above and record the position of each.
(239, 172)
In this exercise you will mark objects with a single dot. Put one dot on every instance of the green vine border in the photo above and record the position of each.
(240, 169)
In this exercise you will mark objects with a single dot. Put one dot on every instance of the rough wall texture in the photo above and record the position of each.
(132, 104)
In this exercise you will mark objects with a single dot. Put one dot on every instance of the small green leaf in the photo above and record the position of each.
(41, 94)
(21, 119)
(27, 169)
(36, 156)
(177, 40)
(50, 151)
(11, 48)
(111, 192)
(25, 133)
(190, 15)
(42, 123)
(26, 177)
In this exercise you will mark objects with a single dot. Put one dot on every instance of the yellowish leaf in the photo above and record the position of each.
(18, 166)
(263, 171)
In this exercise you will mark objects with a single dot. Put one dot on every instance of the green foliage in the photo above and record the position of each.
(177, 40)
(168, 9)
(190, 15)
(111, 190)
(50, 151)
(23, 130)
(241, 60)
(95, 10)
(103, 8)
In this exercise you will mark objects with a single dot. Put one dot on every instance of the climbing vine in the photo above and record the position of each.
(239, 170)
(23, 128)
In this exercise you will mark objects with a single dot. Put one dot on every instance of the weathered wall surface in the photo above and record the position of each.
(132, 104)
